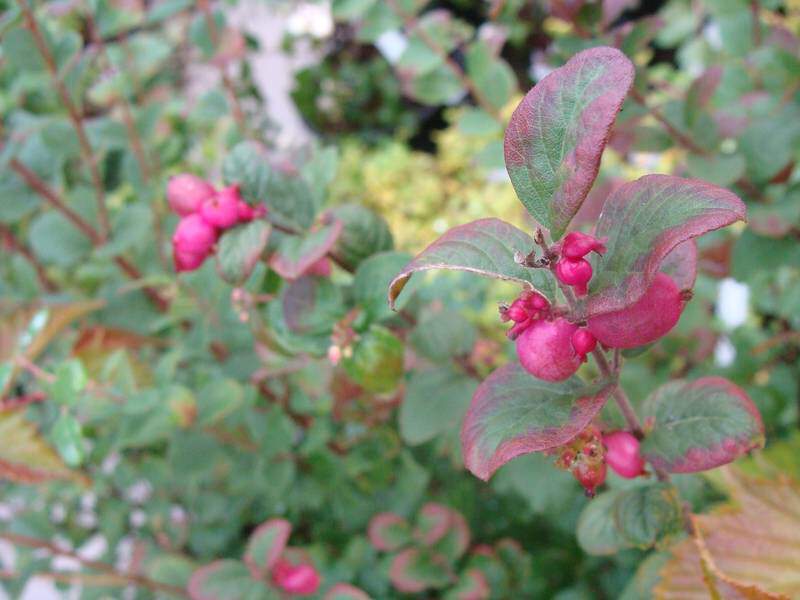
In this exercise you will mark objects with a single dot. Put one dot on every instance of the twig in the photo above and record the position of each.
(131, 578)
(12, 404)
(676, 134)
(74, 115)
(42, 375)
(411, 23)
(754, 10)
(11, 242)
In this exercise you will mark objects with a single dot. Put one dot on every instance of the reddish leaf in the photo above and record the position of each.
(413, 571)
(700, 425)
(513, 413)
(557, 134)
(345, 591)
(227, 579)
(485, 247)
(297, 254)
(388, 532)
(471, 586)
(643, 221)
(681, 264)
(265, 546)
(444, 528)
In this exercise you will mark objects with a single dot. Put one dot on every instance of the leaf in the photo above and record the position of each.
(297, 253)
(434, 404)
(596, 531)
(364, 233)
(472, 585)
(444, 334)
(68, 439)
(388, 532)
(265, 546)
(24, 455)
(719, 169)
(376, 363)
(227, 579)
(373, 277)
(443, 529)
(557, 134)
(489, 73)
(55, 240)
(485, 247)
(681, 264)
(513, 413)
(700, 425)
(643, 221)
(217, 399)
(345, 591)
(644, 514)
(239, 250)
(749, 549)
(414, 571)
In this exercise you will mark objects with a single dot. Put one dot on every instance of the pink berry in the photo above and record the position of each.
(187, 261)
(194, 236)
(578, 245)
(622, 454)
(583, 342)
(296, 580)
(517, 311)
(645, 321)
(536, 301)
(245, 212)
(222, 210)
(545, 349)
(590, 476)
(186, 193)
(575, 272)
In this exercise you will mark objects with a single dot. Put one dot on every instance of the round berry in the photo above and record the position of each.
(245, 212)
(590, 476)
(622, 454)
(186, 193)
(296, 580)
(222, 210)
(575, 272)
(545, 350)
(194, 236)
(187, 261)
(645, 321)
(583, 342)
(578, 245)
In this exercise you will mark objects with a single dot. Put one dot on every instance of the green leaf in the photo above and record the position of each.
(597, 532)
(229, 579)
(70, 380)
(364, 233)
(557, 134)
(68, 439)
(131, 229)
(643, 221)
(240, 248)
(56, 241)
(388, 532)
(376, 362)
(345, 591)
(484, 247)
(265, 546)
(768, 145)
(434, 404)
(443, 335)
(643, 515)
(296, 254)
(700, 425)
(414, 571)
(437, 86)
(218, 399)
(719, 169)
(372, 279)
(513, 413)
(349, 10)
(491, 74)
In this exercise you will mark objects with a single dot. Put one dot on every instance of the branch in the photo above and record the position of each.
(676, 134)
(74, 115)
(12, 243)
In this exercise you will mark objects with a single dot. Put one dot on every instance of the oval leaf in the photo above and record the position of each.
(645, 514)
(700, 425)
(557, 134)
(596, 531)
(513, 413)
(239, 250)
(485, 247)
(265, 546)
(443, 528)
(414, 571)
(345, 591)
(296, 254)
(388, 531)
(681, 264)
(227, 579)
(643, 221)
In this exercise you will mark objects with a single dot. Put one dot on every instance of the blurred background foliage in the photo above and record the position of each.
(151, 421)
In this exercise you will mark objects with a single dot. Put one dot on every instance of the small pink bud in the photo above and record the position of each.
(574, 272)
(334, 355)
(622, 454)
(186, 193)
(222, 210)
(578, 245)
(321, 268)
(296, 580)
(583, 342)
(536, 301)
(590, 476)
(194, 236)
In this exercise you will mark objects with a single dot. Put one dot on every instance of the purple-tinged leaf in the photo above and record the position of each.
(265, 546)
(413, 571)
(557, 134)
(227, 579)
(472, 585)
(239, 250)
(345, 591)
(513, 413)
(388, 531)
(681, 264)
(444, 529)
(297, 254)
(700, 93)
(485, 247)
(643, 221)
(700, 425)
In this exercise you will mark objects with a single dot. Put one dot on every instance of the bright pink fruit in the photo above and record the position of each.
(222, 210)
(186, 193)
(545, 350)
(622, 454)
(578, 245)
(575, 272)
(590, 476)
(245, 212)
(649, 319)
(194, 236)
(187, 261)
(583, 342)
(297, 580)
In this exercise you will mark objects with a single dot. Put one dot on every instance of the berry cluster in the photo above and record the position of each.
(548, 346)
(590, 453)
(572, 268)
(205, 213)
(295, 580)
